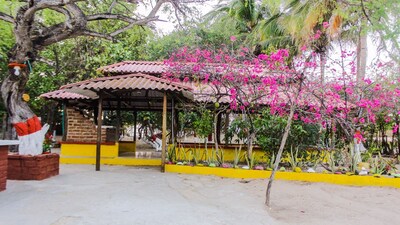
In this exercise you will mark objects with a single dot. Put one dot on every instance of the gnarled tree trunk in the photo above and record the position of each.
(32, 35)
(26, 123)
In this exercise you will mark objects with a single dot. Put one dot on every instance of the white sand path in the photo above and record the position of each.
(132, 195)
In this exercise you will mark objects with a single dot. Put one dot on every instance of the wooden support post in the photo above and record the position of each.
(218, 135)
(172, 121)
(135, 125)
(177, 125)
(164, 133)
(227, 114)
(64, 121)
(118, 126)
(99, 123)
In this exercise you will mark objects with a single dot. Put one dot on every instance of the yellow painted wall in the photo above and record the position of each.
(111, 161)
(86, 154)
(88, 150)
(309, 177)
(127, 146)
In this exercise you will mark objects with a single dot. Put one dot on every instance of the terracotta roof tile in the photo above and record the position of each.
(137, 81)
(63, 94)
(128, 67)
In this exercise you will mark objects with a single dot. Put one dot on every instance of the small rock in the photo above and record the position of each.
(259, 168)
(297, 170)
(310, 170)
(363, 172)
(319, 169)
(225, 165)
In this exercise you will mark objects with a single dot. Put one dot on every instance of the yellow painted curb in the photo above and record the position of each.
(111, 161)
(308, 177)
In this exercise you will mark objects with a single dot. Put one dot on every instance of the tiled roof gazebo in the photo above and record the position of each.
(131, 92)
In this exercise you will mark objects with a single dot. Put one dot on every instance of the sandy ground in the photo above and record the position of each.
(131, 195)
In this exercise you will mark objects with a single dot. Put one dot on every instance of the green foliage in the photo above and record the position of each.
(159, 48)
(203, 124)
(251, 161)
(154, 119)
(238, 128)
(315, 157)
(186, 120)
(270, 129)
(74, 59)
(294, 159)
(110, 118)
(236, 160)
(378, 165)
(6, 43)
(171, 153)
(271, 161)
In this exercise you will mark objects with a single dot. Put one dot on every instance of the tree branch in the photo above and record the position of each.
(6, 17)
(43, 4)
(108, 16)
(96, 34)
(112, 6)
(139, 22)
(156, 8)
(46, 61)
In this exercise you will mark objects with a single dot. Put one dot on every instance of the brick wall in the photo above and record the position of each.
(3, 167)
(82, 129)
(27, 167)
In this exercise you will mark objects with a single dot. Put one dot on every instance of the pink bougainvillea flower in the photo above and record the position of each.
(303, 48)
(325, 24)
(349, 91)
(317, 35)
(262, 57)
(233, 38)
(377, 87)
(395, 128)
(367, 81)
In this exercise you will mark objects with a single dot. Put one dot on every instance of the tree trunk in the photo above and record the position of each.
(362, 53)
(227, 114)
(322, 58)
(26, 123)
(251, 137)
(216, 130)
(279, 155)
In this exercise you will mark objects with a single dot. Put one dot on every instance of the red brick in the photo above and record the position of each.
(29, 164)
(13, 162)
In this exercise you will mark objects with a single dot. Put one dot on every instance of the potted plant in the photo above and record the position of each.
(47, 143)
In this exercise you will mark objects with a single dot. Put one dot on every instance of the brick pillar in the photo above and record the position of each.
(3, 167)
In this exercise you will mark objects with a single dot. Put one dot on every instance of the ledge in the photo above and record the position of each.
(307, 177)
(86, 143)
(121, 161)
(9, 142)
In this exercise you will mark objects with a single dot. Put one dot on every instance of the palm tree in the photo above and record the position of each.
(244, 14)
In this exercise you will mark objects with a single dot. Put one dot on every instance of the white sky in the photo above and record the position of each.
(168, 26)
(164, 28)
